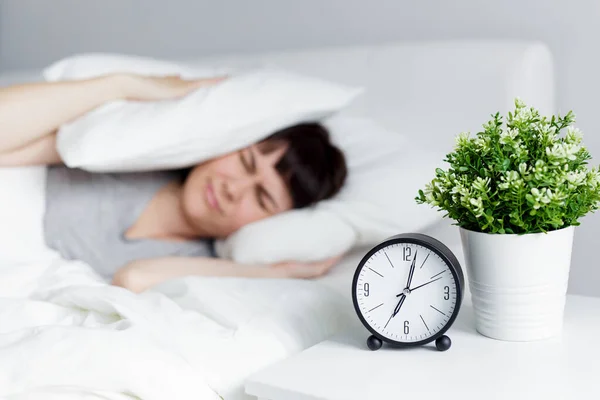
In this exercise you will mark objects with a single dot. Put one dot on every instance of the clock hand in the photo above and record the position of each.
(386, 324)
(399, 305)
(412, 270)
(420, 286)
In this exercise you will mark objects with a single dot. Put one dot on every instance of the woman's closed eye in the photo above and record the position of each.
(263, 197)
(265, 200)
(248, 161)
(261, 200)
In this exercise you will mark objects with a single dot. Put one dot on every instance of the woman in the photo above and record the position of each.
(144, 228)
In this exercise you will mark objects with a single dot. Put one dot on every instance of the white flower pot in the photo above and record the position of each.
(518, 283)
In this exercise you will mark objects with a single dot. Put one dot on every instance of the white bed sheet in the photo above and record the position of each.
(66, 333)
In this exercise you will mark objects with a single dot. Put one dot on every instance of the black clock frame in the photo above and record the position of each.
(441, 250)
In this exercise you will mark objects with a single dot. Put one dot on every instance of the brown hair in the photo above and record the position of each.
(312, 166)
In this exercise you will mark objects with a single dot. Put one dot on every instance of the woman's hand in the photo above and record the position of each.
(149, 88)
(140, 275)
(300, 270)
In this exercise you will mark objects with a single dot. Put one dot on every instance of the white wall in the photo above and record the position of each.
(34, 33)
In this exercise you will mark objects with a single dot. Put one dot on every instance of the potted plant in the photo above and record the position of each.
(517, 189)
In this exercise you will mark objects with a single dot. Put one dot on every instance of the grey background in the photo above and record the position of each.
(34, 33)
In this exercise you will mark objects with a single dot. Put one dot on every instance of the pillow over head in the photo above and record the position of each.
(385, 168)
(211, 121)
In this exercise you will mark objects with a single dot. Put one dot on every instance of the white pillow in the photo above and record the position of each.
(385, 168)
(138, 136)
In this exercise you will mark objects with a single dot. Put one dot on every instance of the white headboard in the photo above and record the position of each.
(431, 89)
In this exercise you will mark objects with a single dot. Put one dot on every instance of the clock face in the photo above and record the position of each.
(406, 292)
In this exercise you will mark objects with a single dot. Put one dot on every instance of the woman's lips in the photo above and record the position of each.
(211, 198)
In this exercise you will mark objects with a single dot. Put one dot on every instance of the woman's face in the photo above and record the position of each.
(224, 194)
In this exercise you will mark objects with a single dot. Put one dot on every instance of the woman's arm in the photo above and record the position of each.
(140, 275)
(30, 114)
(31, 111)
(40, 152)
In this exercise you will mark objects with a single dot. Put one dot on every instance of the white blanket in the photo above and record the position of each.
(67, 334)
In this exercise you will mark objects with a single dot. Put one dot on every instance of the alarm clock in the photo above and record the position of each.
(407, 291)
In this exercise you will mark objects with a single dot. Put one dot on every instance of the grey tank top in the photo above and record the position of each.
(87, 215)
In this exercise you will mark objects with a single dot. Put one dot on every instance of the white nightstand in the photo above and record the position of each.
(476, 367)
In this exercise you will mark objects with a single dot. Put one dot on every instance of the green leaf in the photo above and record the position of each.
(510, 210)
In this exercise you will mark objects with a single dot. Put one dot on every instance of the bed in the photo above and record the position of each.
(64, 333)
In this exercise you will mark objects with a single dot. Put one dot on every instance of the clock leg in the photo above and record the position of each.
(374, 343)
(443, 343)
